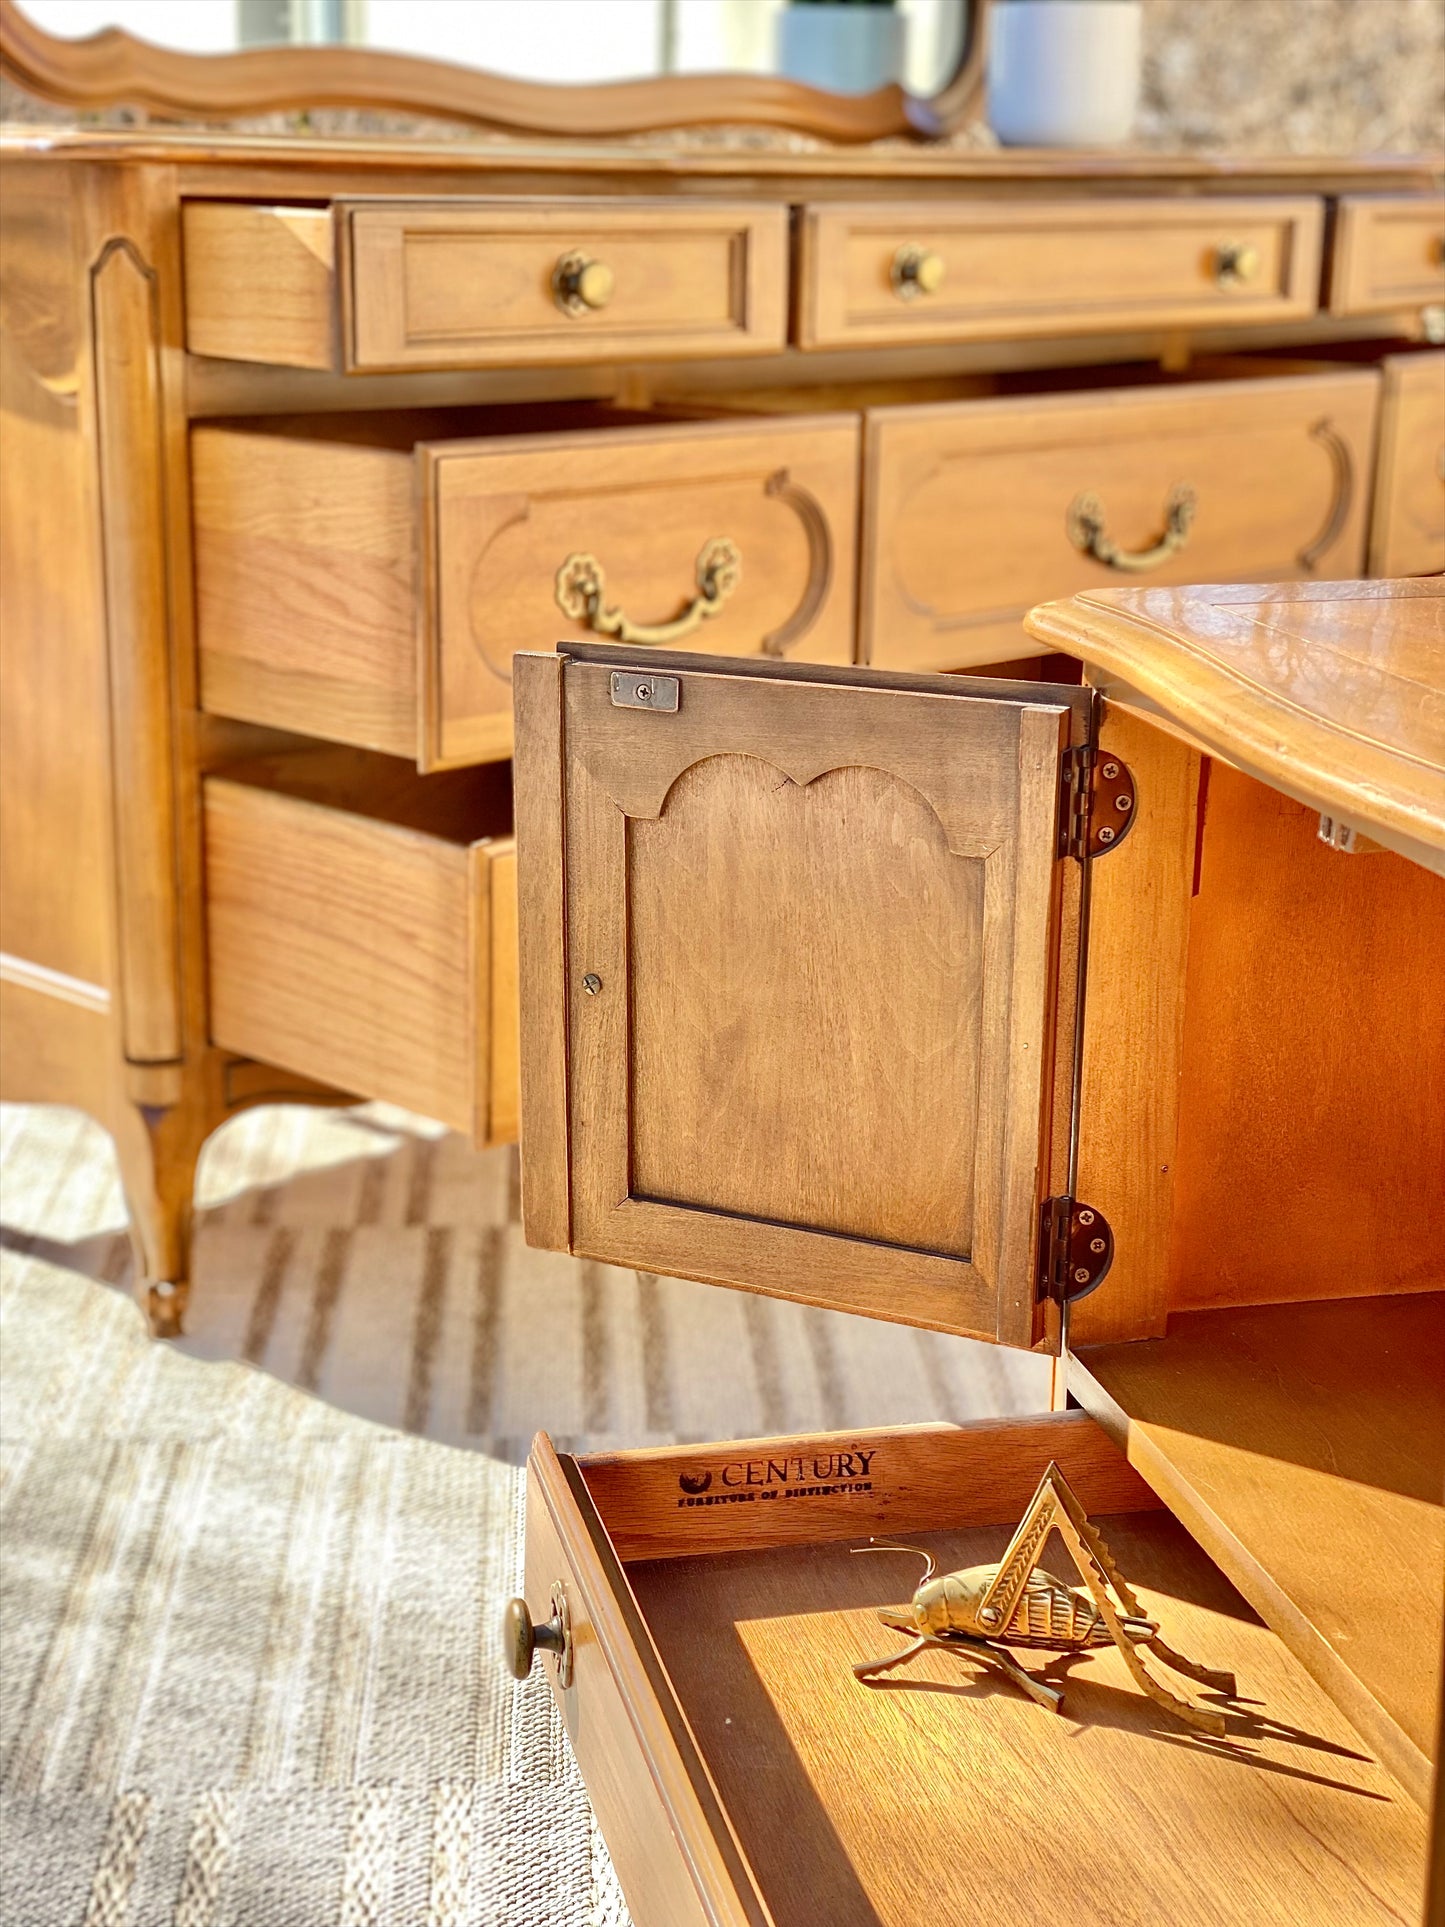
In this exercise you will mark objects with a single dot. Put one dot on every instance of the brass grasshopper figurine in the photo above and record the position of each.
(983, 1610)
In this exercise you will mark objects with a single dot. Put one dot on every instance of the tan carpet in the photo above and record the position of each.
(248, 1663)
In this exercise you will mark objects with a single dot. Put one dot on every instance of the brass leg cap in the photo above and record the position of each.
(165, 1309)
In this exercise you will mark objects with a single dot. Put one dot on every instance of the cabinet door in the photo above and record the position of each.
(790, 985)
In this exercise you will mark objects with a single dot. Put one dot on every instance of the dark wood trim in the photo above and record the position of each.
(113, 68)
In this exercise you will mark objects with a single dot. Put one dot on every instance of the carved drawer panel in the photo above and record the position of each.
(362, 929)
(1407, 529)
(975, 510)
(1389, 252)
(364, 584)
(371, 286)
(893, 272)
(744, 1777)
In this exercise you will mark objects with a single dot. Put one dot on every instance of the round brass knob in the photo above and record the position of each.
(521, 1638)
(580, 286)
(1235, 262)
(917, 271)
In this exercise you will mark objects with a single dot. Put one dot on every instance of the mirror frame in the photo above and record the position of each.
(114, 68)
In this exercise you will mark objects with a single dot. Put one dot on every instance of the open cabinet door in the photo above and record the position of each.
(790, 986)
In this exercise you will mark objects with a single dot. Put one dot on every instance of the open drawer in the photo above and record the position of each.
(371, 285)
(969, 269)
(744, 1777)
(362, 929)
(367, 581)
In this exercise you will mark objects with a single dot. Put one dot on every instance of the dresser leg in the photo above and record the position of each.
(158, 1151)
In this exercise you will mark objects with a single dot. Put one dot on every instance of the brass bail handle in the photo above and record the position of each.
(1085, 523)
(521, 1639)
(582, 585)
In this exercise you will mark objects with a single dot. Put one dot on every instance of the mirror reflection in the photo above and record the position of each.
(848, 46)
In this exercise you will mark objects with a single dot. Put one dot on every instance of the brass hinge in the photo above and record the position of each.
(1076, 1249)
(1097, 802)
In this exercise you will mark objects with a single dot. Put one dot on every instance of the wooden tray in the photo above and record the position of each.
(742, 1774)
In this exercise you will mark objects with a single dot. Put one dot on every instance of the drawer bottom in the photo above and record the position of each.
(934, 1793)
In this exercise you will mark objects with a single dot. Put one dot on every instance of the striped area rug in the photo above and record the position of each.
(247, 1616)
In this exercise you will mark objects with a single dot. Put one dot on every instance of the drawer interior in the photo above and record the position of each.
(874, 1804)
(821, 395)
(361, 929)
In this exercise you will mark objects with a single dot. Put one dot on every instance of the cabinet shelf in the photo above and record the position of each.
(1304, 1447)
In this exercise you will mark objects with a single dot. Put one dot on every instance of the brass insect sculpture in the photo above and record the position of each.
(983, 1610)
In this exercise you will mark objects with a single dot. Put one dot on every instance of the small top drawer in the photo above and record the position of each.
(940, 271)
(371, 286)
(1389, 252)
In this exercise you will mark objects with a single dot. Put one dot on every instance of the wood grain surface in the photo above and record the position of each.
(756, 910)
(1407, 524)
(1331, 692)
(460, 283)
(261, 283)
(750, 1494)
(1311, 1141)
(357, 949)
(939, 1794)
(1046, 268)
(1134, 1029)
(1389, 252)
(967, 503)
(1304, 1446)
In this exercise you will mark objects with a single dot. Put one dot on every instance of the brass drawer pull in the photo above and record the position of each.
(581, 586)
(1235, 262)
(521, 1639)
(916, 271)
(1085, 524)
(580, 286)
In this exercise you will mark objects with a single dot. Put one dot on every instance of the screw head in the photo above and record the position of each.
(1086, 1216)
(643, 692)
(591, 983)
(1124, 801)
(1097, 1244)
(1109, 772)
(1107, 835)
(1081, 1274)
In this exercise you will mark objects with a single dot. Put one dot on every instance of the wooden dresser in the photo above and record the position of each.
(304, 440)
(1107, 1020)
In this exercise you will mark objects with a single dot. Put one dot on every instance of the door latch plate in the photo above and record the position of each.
(635, 689)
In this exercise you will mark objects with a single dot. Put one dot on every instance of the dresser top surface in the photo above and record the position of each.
(743, 153)
(1331, 691)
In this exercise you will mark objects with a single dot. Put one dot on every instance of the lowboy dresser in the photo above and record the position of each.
(304, 440)
(1087, 999)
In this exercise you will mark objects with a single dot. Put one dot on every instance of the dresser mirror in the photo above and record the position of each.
(863, 70)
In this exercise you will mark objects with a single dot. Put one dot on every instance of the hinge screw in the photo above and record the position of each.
(1124, 802)
(1086, 1217)
(1109, 772)
(1097, 1244)
(1081, 1274)
(1106, 835)
(591, 984)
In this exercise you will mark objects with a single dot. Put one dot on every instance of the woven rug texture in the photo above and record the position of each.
(250, 1671)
